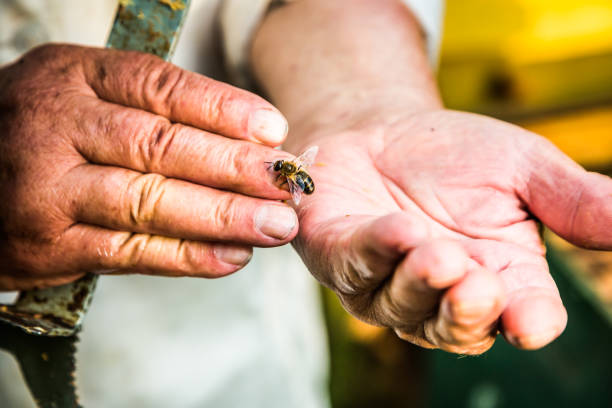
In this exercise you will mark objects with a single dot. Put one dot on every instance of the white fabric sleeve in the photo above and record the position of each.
(430, 14)
(239, 19)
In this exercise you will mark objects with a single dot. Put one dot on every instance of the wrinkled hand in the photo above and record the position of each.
(103, 167)
(423, 223)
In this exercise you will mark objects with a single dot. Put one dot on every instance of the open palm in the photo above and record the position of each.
(425, 223)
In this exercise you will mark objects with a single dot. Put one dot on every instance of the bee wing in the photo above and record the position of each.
(295, 190)
(307, 158)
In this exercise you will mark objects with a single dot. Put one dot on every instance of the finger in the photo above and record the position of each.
(375, 248)
(148, 143)
(466, 322)
(534, 315)
(92, 248)
(414, 290)
(125, 200)
(575, 204)
(147, 82)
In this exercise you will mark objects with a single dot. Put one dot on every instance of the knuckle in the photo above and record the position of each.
(38, 76)
(234, 163)
(226, 213)
(347, 281)
(460, 340)
(393, 313)
(144, 195)
(193, 257)
(198, 259)
(354, 276)
(129, 250)
(220, 100)
(154, 144)
(147, 65)
(162, 81)
(418, 275)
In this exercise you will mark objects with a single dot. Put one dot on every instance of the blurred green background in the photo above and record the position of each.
(545, 65)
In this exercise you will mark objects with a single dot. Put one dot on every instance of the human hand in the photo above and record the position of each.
(423, 222)
(118, 161)
(422, 217)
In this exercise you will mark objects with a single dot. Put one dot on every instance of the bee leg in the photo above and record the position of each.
(279, 176)
(283, 183)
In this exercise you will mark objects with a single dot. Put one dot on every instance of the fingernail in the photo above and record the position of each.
(473, 308)
(233, 255)
(533, 341)
(268, 126)
(275, 221)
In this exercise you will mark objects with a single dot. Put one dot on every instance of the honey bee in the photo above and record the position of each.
(295, 174)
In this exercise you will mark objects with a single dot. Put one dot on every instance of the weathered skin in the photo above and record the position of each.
(423, 219)
(119, 162)
(441, 243)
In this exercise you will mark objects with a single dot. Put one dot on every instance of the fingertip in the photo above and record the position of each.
(591, 225)
(479, 296)
(268, 127)
(213, 260)
(532, 321)
(233, 255)
(459, 339)
(574, 203)
(276, 221)
(440, 263)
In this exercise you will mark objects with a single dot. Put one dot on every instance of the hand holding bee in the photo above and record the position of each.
(114, 161)
(295, 174)
(423, 219)
(432, 233)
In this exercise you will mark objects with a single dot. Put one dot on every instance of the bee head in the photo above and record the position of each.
(278, 165)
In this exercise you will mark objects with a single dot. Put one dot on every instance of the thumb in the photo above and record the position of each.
(574, 203)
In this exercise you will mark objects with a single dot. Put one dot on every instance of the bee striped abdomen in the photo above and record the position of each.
(305, 182)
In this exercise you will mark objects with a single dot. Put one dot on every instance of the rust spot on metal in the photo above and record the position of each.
(78, 300)
(125, 14)
(173, 4)
(150, 26)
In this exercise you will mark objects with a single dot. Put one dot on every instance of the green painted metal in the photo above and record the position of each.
(148, 25)
(55, 312)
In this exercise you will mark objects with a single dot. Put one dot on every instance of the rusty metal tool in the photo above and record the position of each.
(40, 329)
